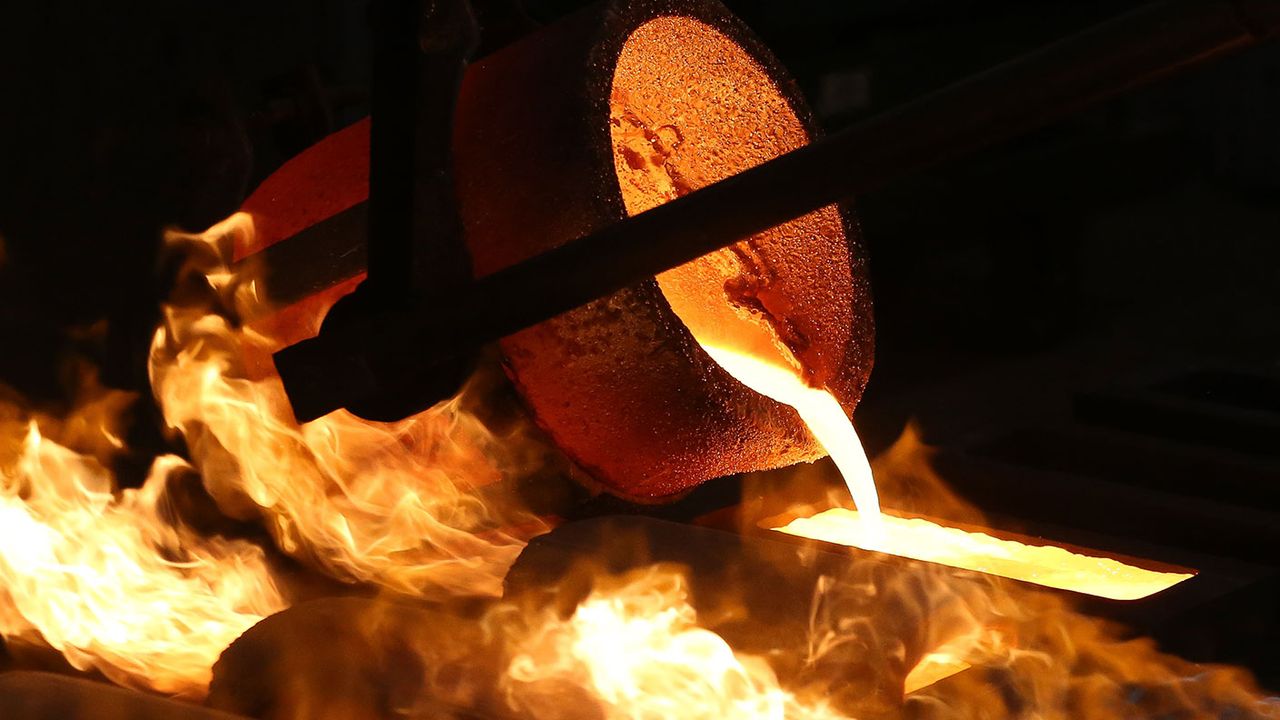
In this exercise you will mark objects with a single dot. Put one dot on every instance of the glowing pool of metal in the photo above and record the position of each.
(1044, 565)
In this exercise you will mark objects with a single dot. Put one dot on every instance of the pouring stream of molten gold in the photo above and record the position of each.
(1044, 565)
(819, 410)
(676, 127)
(916, 538)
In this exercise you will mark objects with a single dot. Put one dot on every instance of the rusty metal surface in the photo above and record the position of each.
(538, 195)
(620, 383)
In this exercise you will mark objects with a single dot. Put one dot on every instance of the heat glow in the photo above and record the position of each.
(869, 529)
(639, 651)
(821, 413)
(394, 504)
(109, 579)
(115, 581)
(1043, 565)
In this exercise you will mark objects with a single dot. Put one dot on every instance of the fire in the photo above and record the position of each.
(1056, 663)
(932, 668)
(392, 504)
(117, 583)
(105, 577)
(638, 650)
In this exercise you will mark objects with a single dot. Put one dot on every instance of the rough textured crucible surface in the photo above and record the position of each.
(607, 113)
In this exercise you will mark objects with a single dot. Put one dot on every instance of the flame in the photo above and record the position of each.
(1055, 663)
(113, 581)
(635, 647)
(392, 504)
(933, 667)
(107, 579)
(740, 336)
(990, 648)
(116, 583)
(638, 650)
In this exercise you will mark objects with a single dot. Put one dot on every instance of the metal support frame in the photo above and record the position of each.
(415, 243)
(397, 348)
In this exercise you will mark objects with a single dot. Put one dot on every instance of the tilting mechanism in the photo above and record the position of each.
(408, 337)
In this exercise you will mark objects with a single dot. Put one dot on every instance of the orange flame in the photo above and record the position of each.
(1059, 664)
(639, 652)
(392, 504)
(106, 579)
(115, 584)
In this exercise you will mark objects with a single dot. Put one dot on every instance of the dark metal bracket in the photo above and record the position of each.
(415, 241)
(402, 352)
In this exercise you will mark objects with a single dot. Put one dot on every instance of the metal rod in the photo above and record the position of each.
(1023, 94)
(1138, 47)
(415, 235)
(392, 145)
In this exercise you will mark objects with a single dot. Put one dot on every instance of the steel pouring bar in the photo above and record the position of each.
(1146, 44)
(414, 234)
(1139, 47)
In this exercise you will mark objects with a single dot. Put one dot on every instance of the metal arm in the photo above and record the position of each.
(334, 370)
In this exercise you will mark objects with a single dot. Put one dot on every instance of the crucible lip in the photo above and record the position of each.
(678, 125)
(683, 419)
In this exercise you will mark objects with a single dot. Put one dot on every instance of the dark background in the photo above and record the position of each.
(1149, 222)
(1092, 309)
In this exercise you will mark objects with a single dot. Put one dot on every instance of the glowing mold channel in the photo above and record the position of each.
(1044, 565)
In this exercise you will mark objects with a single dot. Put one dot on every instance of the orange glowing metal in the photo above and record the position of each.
(821, 412)
(777, 377)
(722, 298)
(746, 350)
(932, 668)
(1044, 565)
(690, 105)
(746, 346)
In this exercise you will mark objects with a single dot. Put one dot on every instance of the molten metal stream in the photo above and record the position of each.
(662, 152)
(915, 538)
(820, 411)
(1047, 565)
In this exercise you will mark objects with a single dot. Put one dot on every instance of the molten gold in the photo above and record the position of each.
(1043, 565)
(777, 378)
(690, 106)
(932, 668)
